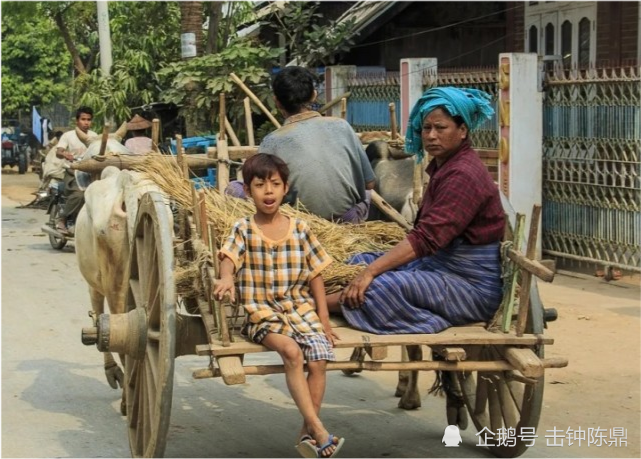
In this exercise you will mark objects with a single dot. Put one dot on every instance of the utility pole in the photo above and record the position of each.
(104, 35)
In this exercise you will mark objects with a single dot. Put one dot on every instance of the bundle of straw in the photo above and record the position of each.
(339, 240)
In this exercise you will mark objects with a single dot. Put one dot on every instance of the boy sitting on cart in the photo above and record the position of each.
(278, 262)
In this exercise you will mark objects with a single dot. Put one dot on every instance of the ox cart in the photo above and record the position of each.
(495, 371)
(492, 371)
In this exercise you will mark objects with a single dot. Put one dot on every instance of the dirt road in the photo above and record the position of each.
(56, 402)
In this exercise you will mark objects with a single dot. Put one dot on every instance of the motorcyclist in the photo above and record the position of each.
(70, 147)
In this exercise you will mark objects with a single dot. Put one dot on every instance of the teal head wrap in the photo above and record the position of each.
(473, 105)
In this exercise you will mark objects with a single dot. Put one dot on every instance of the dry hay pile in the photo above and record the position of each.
(340, 240)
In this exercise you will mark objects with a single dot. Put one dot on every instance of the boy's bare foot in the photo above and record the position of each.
(329, 446)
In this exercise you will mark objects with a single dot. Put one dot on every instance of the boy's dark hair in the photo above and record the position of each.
(294, 87)
(84, 109)
(263, 166)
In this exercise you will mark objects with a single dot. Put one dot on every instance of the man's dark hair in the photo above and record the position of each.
(263, 166)
(294, 87)
(83, 109)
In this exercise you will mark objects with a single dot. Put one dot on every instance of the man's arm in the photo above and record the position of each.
(62, 151)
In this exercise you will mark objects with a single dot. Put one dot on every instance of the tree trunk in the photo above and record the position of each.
(191, 21)
(215, 16)
(75, 55)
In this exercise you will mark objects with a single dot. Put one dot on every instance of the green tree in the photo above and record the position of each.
(36, 69)
(140, 48)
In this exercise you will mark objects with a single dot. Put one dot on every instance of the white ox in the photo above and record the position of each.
(394, 180)
(104, 230)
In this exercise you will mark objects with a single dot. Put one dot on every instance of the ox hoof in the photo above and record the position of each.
(401, 388)
(410, 401)
(457, 416)
(115, 376)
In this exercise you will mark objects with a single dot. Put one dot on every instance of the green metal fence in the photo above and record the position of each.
(368, 104)
(591, 167)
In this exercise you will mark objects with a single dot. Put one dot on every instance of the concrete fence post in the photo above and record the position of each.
(521, 133)
(412, 70)
(336, 81)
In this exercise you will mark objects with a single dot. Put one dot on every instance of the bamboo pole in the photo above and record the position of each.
(526, 275)
(249, 122)
(253, 97)
(197, 161)
(222, 166)
(103, 140)
(231, 133)
(388, 210)
(155, 134)
(344, 108)
(333, 102)
(222, 116)
(392, 116)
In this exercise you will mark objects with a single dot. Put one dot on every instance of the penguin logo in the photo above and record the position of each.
(452, 437)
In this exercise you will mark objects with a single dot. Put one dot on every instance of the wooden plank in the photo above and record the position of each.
(525, 361)
(424, 365)
(349, 338)
(452, 354)
(376, 353)
(231, 369)
(532, 266)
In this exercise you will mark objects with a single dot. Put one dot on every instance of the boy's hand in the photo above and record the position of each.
(225, 285)
(329, 332)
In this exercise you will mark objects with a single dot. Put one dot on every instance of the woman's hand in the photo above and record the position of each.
(354, 294)
(225, 285)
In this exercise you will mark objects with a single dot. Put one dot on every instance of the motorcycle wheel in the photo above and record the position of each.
(56, 242)
(22, 163)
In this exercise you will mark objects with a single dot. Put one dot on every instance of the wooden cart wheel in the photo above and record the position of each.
(504, 399)
(150, 379)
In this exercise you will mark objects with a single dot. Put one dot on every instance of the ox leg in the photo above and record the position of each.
(411, 399)
(403, 375)
(454, 404)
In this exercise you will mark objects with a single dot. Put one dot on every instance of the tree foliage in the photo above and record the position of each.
(36, 69)
(205, 77)
(145, 38)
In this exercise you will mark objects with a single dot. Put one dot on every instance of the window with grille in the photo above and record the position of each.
(533, 45)
(566, 44)
(584, 42)
(549, 39)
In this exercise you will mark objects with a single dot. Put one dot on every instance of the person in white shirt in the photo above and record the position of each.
(139, 144)
(70, 147)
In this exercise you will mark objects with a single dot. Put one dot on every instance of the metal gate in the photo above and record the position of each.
(591, 168)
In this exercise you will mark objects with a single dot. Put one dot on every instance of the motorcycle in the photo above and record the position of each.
(56, 203)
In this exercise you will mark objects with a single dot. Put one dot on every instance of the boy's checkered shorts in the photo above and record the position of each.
(315, 347)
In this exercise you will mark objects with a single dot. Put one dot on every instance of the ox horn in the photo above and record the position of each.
(82, 136)
(122, 131)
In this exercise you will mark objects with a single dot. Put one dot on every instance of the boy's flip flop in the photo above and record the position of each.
(306, 448)
(330, 442)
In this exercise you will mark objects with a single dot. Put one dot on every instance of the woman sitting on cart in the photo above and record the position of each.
(447, 270)
(278, 264)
